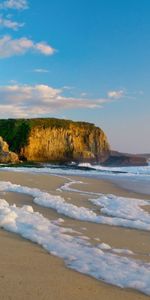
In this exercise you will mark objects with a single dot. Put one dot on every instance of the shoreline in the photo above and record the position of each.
(129, 182)
(33, 261)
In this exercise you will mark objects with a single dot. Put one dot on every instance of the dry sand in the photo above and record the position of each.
(28, 272)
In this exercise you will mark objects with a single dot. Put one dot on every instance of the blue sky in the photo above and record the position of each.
(81, 60)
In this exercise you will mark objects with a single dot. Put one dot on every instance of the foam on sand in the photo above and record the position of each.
(78, 254)
(117, 211)
(126, 212)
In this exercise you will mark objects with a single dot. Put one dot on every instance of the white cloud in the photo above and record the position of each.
(116, 94)
(10, 47)
(13, 81)
(14, 4)
(39, 100)
(4, 22)
(83, 94)
(69, 88)
(41, 71)
(44, 48)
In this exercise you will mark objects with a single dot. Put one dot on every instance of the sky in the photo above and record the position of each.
(85, 60)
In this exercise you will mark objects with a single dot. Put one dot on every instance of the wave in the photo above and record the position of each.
(130, 170)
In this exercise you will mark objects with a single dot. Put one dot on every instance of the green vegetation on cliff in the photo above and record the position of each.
(54, 139)
(56, 123)
(15, 133)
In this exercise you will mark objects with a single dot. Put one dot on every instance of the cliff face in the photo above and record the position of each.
(55, 140)
(58, 144)
(7, 156)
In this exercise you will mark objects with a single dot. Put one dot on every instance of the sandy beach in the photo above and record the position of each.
(27, 271)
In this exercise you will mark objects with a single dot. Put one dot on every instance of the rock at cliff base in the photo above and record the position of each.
(7, 156)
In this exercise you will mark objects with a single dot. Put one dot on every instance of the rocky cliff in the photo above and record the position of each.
(55, 140)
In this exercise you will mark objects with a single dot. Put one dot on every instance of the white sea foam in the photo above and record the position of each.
(128, 210)
(125, 208)
(50, 201)
(67, 186)
(122, 251)
(104, 246)
(117, 211)
(80, 256)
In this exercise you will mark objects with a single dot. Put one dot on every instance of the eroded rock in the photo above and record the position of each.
(7, 156)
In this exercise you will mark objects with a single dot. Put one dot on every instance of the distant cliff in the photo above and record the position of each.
(55, 140)
(125, 159)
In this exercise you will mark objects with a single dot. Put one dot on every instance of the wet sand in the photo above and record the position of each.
(28, 272)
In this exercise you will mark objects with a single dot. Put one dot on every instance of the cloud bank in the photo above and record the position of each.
(40, 100)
